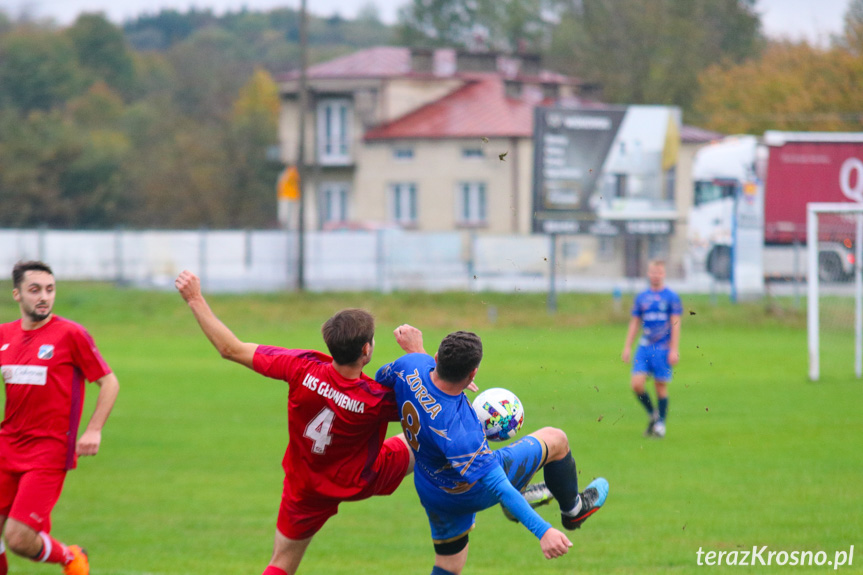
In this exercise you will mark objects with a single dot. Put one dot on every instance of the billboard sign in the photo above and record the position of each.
(610, 164)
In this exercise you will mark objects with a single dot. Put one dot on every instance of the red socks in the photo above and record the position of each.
(268, 571)
(53, 551)
(4, 565)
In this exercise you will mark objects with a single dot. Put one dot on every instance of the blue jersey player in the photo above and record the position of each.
(456, 474)
(657, 310)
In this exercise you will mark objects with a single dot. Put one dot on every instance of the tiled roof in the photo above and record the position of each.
(693, 135)
(394, 61)
(478, 109)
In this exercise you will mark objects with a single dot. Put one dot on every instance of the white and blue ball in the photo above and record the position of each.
(500, 412)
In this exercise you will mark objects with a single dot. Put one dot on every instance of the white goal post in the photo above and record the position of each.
(812, 280)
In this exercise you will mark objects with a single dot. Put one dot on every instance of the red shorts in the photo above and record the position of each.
(30, 496)
(301, 518)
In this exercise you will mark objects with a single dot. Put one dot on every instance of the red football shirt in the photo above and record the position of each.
(45, 370)
(336, 426)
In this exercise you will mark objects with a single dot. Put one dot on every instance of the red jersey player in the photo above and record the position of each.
(45, 360)
(337, 421)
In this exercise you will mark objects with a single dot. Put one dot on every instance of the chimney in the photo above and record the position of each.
(475, 61)
(530, 64)
(422, 60)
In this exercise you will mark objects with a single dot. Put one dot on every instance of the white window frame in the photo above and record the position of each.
(334, 200)
(335, 123)
(471, 204)
(405, 214)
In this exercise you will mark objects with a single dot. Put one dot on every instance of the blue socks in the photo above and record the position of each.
(663, 407)
(440, 571)
(644, 399)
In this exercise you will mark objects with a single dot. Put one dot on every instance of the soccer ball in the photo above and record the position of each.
(500, 412)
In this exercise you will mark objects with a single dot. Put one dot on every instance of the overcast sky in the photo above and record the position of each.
(814, 20)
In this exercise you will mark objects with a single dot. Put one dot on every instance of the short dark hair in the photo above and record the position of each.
(347, 332)
(29, 266)
(459, 353)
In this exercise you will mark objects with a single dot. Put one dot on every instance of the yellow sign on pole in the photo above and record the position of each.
(288, 186)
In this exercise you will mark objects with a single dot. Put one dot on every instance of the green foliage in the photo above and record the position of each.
(165, 122)
(38, 70)
(649, 51)
(102, 51)
(498, 24)
(793, 86)
(57, 175)
(755, 455)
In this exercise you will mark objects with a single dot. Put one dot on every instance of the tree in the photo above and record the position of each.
(102, 51)
(57, 174)
(38, 69)
(793, 86)
(498, 24)
(253, 134)
(853, 37)
(209, 71)
(651, 51)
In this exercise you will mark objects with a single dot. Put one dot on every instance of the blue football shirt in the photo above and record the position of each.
(456, 472)
(656, 308)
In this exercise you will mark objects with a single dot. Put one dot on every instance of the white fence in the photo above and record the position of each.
(239, 260)
(381, 260)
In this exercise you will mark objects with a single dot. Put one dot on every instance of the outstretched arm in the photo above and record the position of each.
(222, 338)
(91, 439)
(553, 542)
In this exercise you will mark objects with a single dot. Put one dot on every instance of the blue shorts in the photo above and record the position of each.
(652, 360)
(520, 461)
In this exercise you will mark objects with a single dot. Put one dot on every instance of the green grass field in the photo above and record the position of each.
(189, 477)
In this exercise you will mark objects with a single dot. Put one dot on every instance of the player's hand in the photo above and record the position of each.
(89, 443)
(409, 338)
(188, 285)
(554, 544)
(673, 357)
(624, 356)
(473, 387)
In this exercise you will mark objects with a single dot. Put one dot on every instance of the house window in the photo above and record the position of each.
(334, 202)
(404, 203)
(471, 203)
(606, 249)
(469, 153)
(403, 153)
(334, 131)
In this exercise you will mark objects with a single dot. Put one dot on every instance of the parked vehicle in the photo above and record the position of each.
(788, 170)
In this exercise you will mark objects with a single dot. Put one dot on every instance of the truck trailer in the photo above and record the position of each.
(785, 170)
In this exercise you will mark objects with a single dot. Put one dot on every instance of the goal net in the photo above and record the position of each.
(834, 235)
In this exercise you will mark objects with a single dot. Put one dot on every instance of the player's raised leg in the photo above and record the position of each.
(561, 477)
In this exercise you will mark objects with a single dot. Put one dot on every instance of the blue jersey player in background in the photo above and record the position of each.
(657, 310)
(456, 474)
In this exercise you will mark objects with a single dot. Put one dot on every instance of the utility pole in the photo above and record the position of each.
(301, 151)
